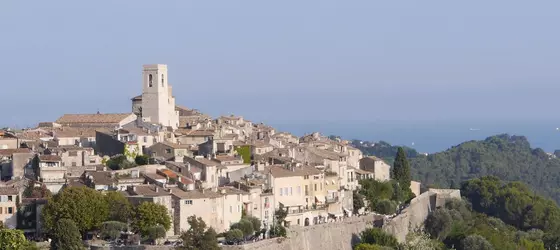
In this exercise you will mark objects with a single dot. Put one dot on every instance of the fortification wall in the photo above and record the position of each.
(330, 236)
(341, 235)
(416, 213)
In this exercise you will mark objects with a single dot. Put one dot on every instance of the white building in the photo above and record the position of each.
(158, 103)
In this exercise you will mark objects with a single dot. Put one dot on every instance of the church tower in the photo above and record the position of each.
(158, 103)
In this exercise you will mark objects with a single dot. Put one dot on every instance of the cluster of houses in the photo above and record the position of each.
(216, 169)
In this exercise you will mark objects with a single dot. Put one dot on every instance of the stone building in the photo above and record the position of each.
(381, 170)
(157, 103)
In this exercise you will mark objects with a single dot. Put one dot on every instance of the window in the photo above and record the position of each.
(145, 139)
(150, 80)
(315, 188)
(168, 150)
(266, 214)
(188, 202)
(9, 198)
(74, 164)
(73, 153)
(290, 190)
(10, 210)
(306, 190)
(286, 191)
(238, 197)
(162, 80)
(306, 177)
(92, 161)
(280, 191)
(298, 190)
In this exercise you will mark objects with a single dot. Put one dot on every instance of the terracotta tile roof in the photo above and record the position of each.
(331, 155)
(222, 158)
(92, 118)
(231, 190)
(174, 145)
(9, 191)
(194, 132)
(194, 194)
(148, 190)
(280, 171)
(73, 132)
(49, 158)
(9, 152)
(359, 171)
(102, 177)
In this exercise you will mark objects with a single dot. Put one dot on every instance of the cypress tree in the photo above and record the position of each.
(401, 170)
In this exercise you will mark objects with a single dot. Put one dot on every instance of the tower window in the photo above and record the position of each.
(162, 79)
(150, 79)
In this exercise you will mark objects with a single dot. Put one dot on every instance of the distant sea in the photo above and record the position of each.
(431, 137)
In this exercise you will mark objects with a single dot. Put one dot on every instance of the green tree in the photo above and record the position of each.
(358, 201)
(364, 246)
(379, 237)
(155, 232)
(439, 224)
(66, 236)
(386, 207)
(142, 160)
(234, 235)
(245, 153)
(86, 207)
(120, 208)
(149, 214)
(475, 242)
(245, 226)
(401, 170)
(112, 229)
(13, 239)
(256, 223)
(198, 236)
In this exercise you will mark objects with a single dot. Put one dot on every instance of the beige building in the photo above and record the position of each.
(13, 162)
(381, 170)
(260, 200)
(260, 148)
(74, 156)
(169, 151)
(301, 190)
(193, 136)
(8, 208)
(219, 208)
(51, 172)
(8, 140)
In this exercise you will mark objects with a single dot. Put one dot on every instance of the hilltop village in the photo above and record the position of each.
(218, 169)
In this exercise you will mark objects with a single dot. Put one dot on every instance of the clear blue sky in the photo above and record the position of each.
(285, 61)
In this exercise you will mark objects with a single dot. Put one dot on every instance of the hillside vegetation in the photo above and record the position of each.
(383, 150)
(509, 158)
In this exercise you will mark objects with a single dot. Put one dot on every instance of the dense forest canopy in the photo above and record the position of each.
(507, 157)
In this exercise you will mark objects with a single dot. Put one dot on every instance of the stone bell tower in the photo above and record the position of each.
(158, 103)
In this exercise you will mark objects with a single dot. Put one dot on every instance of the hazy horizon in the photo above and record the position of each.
(289, 62)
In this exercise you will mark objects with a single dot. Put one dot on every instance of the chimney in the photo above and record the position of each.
(134, 188)
(156, 189)
(223, 191)
(188, 167)
(179, 179)
(104, 168)
(202, 190)
(170, 191)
